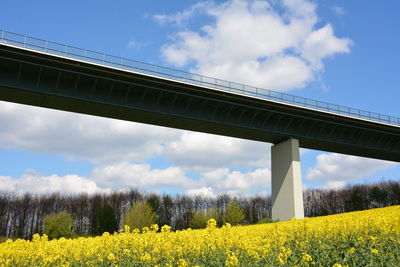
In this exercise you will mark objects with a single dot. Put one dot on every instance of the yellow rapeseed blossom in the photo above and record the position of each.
(366, 238)
(306, 258)
(232, 260)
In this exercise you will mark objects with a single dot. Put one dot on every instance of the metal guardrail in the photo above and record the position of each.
(137, 66)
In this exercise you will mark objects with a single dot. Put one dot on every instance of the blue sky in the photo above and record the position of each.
(343, 52)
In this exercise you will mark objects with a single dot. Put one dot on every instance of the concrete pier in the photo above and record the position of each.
(287, 193)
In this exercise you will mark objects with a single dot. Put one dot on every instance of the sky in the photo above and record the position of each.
(338, 51)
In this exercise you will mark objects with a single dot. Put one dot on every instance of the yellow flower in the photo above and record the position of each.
(182, 263)
(259, 245)
(306, 258)
(165, 229)
(126, 229)
(374, 251)
(232, 260)
(154, 228)
(280, 259)
(111, 257)
(146, 257)
(211, 224)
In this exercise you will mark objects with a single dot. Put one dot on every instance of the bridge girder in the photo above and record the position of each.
(37, 79)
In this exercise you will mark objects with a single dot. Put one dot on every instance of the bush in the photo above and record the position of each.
(140, 215)
(199, 220)
(58, 225)
(234, 214)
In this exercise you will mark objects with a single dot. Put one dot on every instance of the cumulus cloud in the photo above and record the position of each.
(35, 183)
(125, 175)
(201, 152)
(233, 182)
(335, 170)
(202, 191)
(97, 140)
(103, 141)
(263, 43)
(321, 44)
(129, 175)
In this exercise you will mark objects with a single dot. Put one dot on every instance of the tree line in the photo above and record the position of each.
(23, 215)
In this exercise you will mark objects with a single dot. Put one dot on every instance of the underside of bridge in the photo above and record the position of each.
(39, 79)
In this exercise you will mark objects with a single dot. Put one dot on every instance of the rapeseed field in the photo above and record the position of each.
(365, 238)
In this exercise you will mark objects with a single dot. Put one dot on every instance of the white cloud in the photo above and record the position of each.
(335, 184)
(339, 11)
(322, 43)
(132, 44)
(180, 18)
(68, 184)
(337, 169)
(254, 43)
(103, 141)
(125, 175)
(202, 191)
(234, 182)
(201, 152)
(239, 182)
(95, 139)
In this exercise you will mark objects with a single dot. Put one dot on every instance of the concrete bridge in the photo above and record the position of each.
(47, 74)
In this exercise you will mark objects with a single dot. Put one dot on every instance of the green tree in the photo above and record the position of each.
(155, 204)
(199, 220)
(105, 220)
(58, 225)
(234, 214)
(140, 215)
(356, 200)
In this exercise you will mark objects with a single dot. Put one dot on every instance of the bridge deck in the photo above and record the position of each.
(85, 55)
(47, 76)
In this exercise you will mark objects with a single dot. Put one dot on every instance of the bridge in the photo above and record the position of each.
(52, 75)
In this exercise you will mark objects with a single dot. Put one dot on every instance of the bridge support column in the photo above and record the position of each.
(287, 193)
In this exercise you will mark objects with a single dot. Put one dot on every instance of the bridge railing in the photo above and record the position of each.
(146, 68)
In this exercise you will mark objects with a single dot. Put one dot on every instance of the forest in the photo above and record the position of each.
(21, 216)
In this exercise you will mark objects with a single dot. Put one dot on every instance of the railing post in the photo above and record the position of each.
(47, 45)
(25, 41)
(2, 35)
